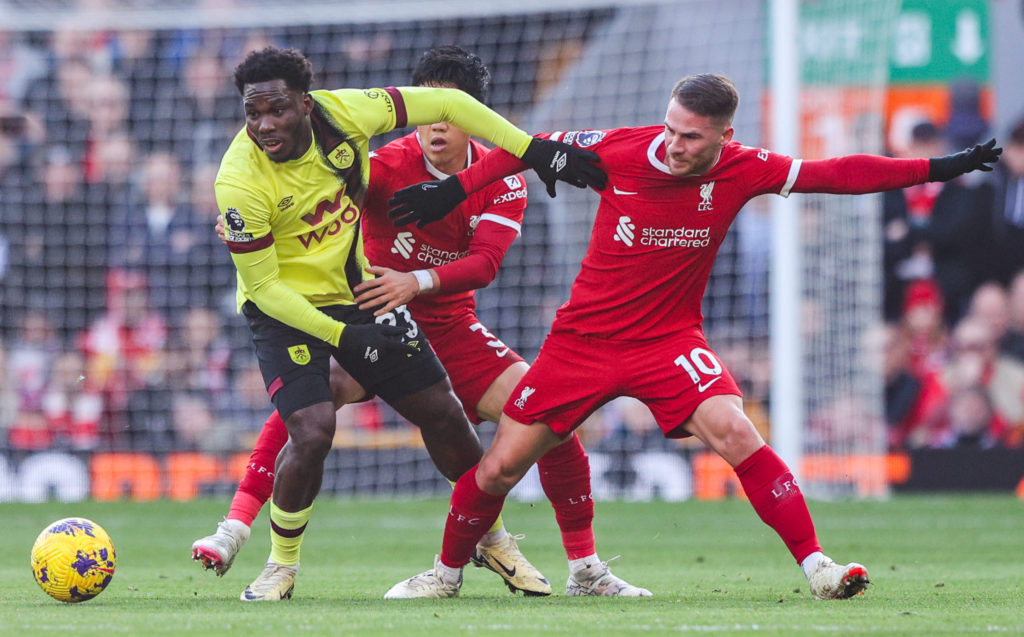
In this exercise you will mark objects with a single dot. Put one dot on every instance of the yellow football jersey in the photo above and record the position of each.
(293, 227)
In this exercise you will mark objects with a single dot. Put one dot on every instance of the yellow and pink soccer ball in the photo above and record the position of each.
(73, 560)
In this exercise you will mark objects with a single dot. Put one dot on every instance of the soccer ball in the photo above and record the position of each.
(73, 560)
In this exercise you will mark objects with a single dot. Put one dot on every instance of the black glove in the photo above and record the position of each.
(554, 161)
(977, 157)
(374, 342)
(426, 202)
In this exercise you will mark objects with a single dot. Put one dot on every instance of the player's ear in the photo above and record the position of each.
(307, 104)
(727, 135)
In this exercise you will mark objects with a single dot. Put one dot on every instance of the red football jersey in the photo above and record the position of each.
(401, 163)
(655, 236)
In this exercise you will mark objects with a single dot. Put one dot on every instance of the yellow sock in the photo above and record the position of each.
(286, 531)
(497, 523)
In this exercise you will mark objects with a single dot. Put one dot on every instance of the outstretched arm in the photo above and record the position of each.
(498, 165)
(432, 200)
(859, 174)
(553, 161)
(426, 105)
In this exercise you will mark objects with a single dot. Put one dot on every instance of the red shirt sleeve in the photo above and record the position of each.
(859, 174)
(478, 268)
(496, 165)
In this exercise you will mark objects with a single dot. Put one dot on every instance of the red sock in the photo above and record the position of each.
(565, 476)
(776, 497)
(258, 482)
(472, 512)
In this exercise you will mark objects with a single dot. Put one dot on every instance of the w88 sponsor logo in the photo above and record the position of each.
(348, 216)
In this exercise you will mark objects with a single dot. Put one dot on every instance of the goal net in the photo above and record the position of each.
(125, 370)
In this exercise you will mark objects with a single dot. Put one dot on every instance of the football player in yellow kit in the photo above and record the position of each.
(290, 189)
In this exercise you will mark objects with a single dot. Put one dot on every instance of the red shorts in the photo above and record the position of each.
(575, 375)
(472, 356)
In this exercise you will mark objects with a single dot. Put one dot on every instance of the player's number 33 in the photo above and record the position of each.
(391, 318)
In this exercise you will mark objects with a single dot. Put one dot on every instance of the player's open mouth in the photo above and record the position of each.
(438, 144)
(271, 145)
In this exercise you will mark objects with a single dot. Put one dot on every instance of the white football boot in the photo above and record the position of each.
(429, 584)
(829, 580)
(598, 580)
(218, 551)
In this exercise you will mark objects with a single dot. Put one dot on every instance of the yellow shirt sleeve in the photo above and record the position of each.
(426, 105)
(258, 270)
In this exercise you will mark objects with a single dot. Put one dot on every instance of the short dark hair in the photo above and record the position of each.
(272, 63)
(454, 65)
(708, 95)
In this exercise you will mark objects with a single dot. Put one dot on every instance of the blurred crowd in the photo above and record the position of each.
(115, 293)
(953, 346)
(117, 321)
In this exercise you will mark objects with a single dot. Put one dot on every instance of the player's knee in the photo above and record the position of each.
(312, 446)
(311, 432)
(434, 410)
(497, 475)
(448, 417)
(737, 434)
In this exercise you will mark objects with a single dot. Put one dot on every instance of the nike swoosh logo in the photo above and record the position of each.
(701, 387)
(511, 573)
(622, 192)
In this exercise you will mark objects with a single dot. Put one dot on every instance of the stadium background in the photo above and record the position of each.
(127, 374)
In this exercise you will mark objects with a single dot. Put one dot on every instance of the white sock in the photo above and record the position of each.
(577, 565)
(448, 574)
(493, 536)
(811, 562)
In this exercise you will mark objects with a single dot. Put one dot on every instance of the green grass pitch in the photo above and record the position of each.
(939, 565)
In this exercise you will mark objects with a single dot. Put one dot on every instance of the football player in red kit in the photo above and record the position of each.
(436, 270)
(633, 323)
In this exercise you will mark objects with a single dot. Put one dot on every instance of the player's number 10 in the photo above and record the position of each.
(699, 359)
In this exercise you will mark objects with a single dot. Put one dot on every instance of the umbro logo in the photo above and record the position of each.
(403, 244)
(371, 355)
(559, 161)
(624, 231)
(286, 203)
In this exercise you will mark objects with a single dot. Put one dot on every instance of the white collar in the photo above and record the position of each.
(652, 156)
